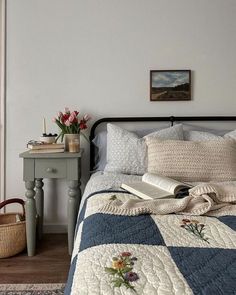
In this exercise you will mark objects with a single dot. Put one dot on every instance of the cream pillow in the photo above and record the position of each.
(193, 161)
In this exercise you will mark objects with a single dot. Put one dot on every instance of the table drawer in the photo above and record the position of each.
(50, 168)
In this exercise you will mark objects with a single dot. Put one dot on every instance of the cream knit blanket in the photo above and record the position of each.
(212, 199)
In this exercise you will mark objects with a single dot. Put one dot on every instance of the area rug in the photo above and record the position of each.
(32, 289)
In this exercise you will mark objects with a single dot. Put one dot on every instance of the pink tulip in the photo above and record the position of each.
(86, 117)
(72, 118)
(54, 120)
(60, 114)
(67, 123)
(74, 113)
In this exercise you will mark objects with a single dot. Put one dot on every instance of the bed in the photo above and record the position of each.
(149, 254)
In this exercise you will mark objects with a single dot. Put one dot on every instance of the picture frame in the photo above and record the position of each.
(170, 85)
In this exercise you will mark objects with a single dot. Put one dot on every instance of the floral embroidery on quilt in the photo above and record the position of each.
(196, 228)
(122, 270)
(113, 198)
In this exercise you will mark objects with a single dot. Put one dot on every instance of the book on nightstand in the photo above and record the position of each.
(42, 146)
(153, 186)
(46, 151)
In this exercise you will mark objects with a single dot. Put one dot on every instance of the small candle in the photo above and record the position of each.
(44, 126)
(74, 146)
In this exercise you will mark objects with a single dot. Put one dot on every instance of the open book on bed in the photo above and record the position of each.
(153, 186)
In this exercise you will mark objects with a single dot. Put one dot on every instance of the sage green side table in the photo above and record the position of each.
(54, 165)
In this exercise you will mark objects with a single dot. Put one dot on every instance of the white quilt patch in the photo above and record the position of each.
(157, 272)
(219, 234)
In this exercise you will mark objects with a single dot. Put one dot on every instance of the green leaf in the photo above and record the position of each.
(60, 135)
(128, 286)
(118, 280)
(110, 270)
(126, 269)
(118, 284)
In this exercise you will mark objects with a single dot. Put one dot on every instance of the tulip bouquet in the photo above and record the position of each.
(70, 122)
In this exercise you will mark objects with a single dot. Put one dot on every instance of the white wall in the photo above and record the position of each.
(95, 55)
(2, 98)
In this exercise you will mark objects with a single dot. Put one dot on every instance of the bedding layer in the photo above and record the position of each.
(170, 254)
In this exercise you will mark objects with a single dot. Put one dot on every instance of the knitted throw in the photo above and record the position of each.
(212, 199)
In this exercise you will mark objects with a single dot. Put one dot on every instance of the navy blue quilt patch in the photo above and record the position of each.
(208, 271)
(101, 229)
(70, 277)
(229, 220)
(83, 210)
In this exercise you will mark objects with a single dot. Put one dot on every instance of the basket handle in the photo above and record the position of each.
(11, 201)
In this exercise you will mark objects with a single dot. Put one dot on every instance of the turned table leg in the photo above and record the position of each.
(72, 211)
(39, 198)
(30, 209)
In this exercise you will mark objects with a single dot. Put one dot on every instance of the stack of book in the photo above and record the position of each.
(45, 148)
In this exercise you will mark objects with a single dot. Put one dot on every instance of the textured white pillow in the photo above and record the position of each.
(193, 161)
(127, 153)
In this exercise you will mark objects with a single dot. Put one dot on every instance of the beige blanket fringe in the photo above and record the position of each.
(212, 199)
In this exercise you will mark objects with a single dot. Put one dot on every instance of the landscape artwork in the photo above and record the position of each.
(171, 85)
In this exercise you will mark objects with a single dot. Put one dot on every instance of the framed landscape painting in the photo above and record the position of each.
(170, 85)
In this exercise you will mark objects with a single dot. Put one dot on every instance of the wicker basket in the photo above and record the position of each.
(12, 230)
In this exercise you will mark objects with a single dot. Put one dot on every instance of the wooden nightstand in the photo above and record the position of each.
(54, 165)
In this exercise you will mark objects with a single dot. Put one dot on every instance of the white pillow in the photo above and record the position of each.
(100, 142)
(127, 153)
(189, 127)
(231, 134)
(193, 135)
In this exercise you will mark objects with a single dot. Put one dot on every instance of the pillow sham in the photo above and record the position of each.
(127, 153)
(100, 142)
(230, 134)
(195, 135)
(189, 128)
(191, 160)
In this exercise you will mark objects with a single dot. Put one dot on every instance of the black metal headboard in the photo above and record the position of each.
(170, 119)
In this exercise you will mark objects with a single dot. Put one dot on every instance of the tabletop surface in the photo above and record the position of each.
(51, 155)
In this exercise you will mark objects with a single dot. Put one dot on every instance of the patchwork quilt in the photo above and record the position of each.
(151, 254)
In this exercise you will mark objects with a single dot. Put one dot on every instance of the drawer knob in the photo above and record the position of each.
(50, 170)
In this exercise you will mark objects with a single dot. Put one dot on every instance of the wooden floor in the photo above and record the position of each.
(50, 265)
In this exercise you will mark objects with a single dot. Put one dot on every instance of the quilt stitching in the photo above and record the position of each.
(158, 275)
(205, 269)
(219, 234)
(119, 229)
(169, 261)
